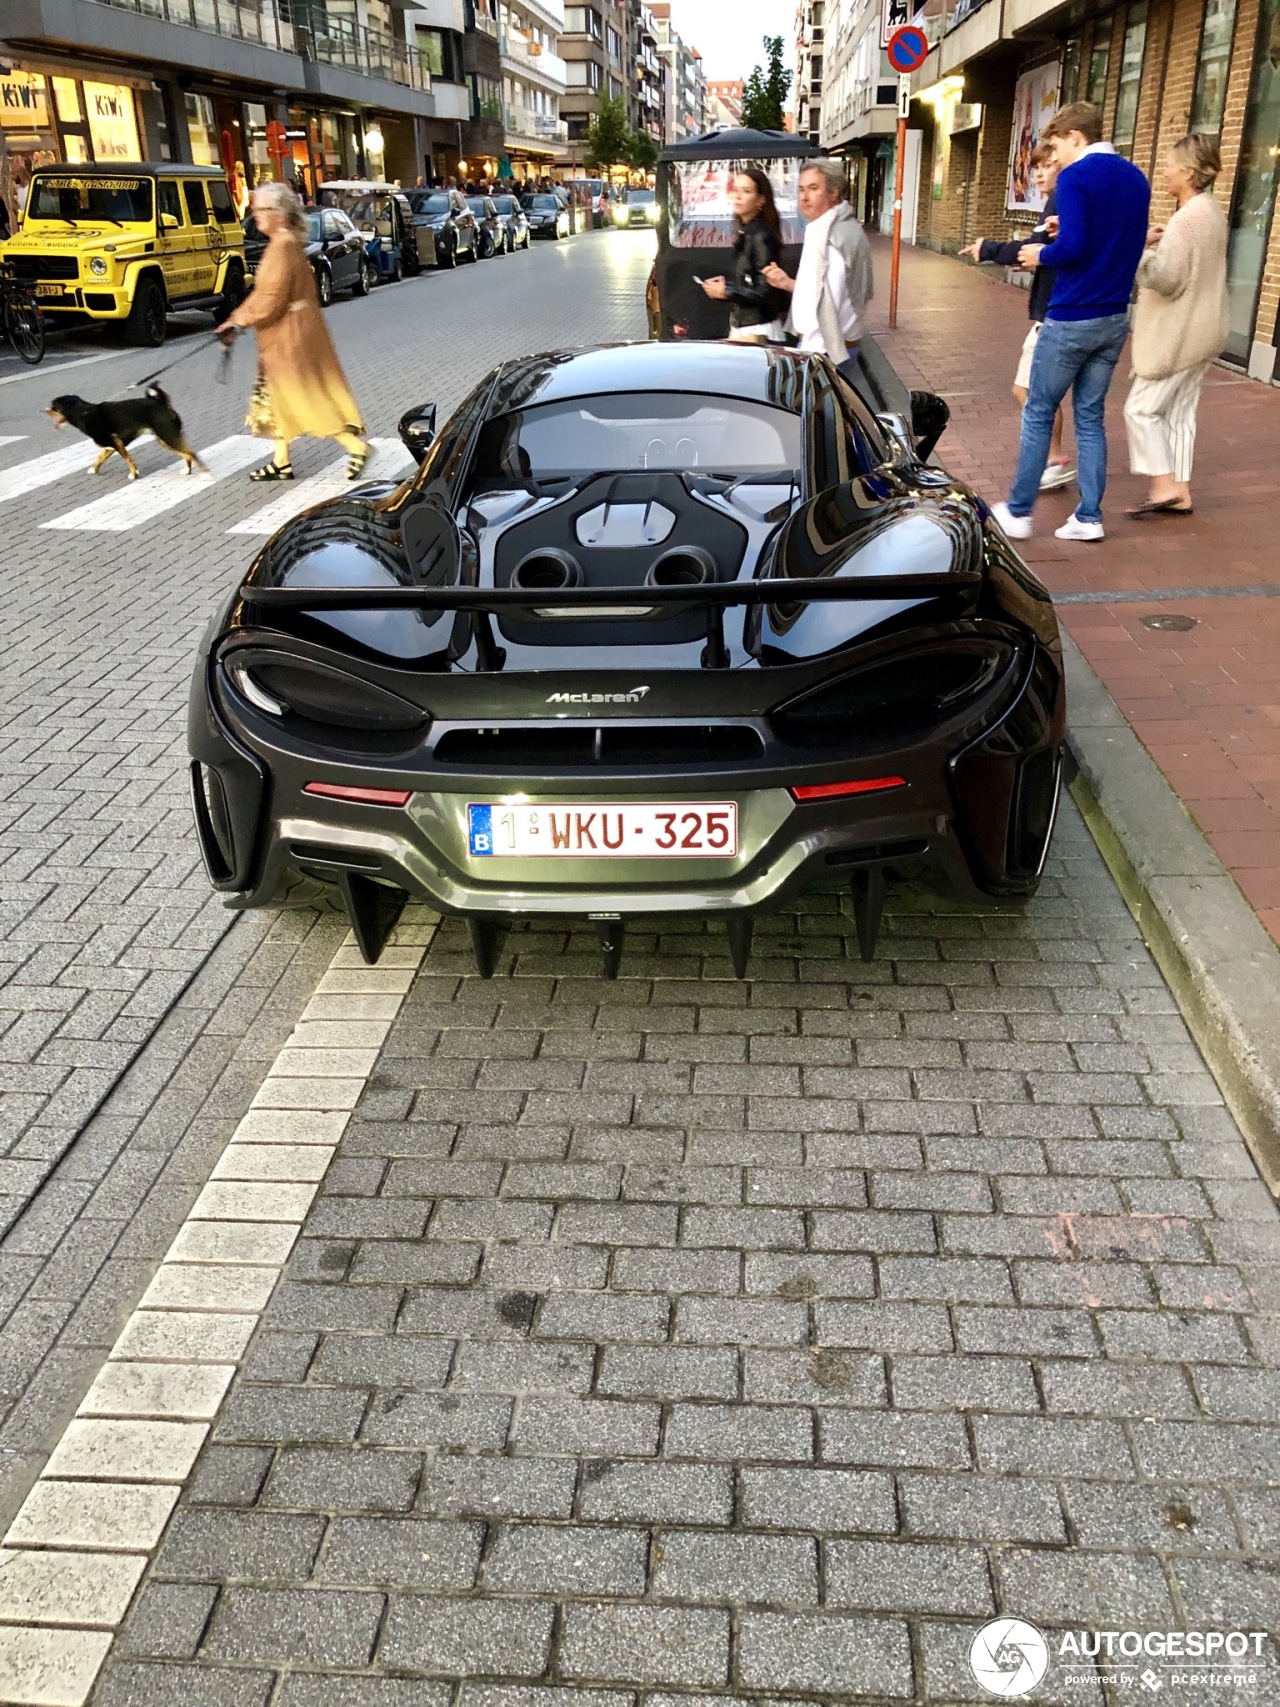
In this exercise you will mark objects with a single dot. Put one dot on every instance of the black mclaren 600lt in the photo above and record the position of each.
(654, 629)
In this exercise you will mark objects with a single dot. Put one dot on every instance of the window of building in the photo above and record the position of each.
(113, 122)
(615, 46)
(582, 21)
(1135, 42)
(440, 50)
(1214, 63)
(1070, 87)
(583, 74)
(202, 128)
(1095, 88)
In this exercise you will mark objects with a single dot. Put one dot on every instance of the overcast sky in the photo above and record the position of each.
(728, 33)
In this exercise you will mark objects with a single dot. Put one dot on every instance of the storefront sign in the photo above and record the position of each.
(113, 124)
(894, 14)
(1035, 100)
(23, 104)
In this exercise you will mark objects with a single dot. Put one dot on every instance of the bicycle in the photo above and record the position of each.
(20, 317)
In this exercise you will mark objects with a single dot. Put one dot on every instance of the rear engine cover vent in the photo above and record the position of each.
(535, 747)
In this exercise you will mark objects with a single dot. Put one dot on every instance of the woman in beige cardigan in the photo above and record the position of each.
(1179, 326)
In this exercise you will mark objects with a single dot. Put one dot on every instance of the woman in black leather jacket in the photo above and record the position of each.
(756, 310)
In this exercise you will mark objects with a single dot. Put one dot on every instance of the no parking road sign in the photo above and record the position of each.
(908, 48)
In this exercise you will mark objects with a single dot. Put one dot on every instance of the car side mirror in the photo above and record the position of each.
(168, 222)
(417, 430)
(929, 416)
(896, 427)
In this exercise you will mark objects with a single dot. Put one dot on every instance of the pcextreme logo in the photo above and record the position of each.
(632, 697)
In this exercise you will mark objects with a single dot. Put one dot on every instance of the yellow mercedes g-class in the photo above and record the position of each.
(130, 244)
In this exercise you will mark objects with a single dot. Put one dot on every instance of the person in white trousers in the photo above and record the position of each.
(1179, 325)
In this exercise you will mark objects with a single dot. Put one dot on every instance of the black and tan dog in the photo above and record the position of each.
(116, 425)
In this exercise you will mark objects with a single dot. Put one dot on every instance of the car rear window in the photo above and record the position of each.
(542, 202)
(637, 431)
(429, 204)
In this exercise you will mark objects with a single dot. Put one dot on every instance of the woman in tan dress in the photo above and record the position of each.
(301, 387)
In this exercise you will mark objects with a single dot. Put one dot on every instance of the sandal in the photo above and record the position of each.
(1165, 507)
(273, 471)
(357, 463)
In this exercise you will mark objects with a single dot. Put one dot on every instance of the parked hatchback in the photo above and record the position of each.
(454, 227)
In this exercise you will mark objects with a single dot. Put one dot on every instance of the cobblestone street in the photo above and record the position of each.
(393, 1338)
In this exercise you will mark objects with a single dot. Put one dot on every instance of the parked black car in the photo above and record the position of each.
(667, 628)
(514, 223)
(455, 228)
(491, 238)
(547, 213)
(334, 247)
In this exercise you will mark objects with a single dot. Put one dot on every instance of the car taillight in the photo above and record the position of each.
(834, 790)
(363, 796)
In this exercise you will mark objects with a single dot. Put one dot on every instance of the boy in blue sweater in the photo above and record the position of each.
(1103, 204)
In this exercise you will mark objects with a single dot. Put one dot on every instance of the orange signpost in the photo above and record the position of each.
(907, 49)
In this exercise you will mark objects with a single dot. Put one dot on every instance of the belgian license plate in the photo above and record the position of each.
(51, 290)
(628, 829)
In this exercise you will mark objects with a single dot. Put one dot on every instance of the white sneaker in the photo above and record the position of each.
(1056, 476)
(1074, 528)
(1014, 527)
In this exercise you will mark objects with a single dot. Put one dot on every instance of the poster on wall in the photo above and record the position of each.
(113, 126)
(1035, 101)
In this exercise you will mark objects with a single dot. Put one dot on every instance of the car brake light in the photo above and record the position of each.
(833, 790)
(364, 796)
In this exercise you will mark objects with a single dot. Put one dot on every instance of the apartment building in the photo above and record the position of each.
(724, 103)
(201, 80)
(1156, 68)
(685, 83)
(534, 81)
(810, 59)
(859, 110)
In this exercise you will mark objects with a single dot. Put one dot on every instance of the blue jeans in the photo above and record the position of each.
(1078, 356)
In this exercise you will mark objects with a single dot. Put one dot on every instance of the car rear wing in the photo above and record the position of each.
(568, 603)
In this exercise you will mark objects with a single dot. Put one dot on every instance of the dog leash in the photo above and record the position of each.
(228, 344)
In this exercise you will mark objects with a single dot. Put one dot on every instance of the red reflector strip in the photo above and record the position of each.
(833, 790)
(364, 796)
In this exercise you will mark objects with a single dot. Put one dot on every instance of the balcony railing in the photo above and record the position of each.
(343, 43)
(957, 12)
(522, 121)
(369, 52)
(533, 59)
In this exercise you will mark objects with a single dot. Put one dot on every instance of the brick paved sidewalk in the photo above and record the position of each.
(1205, 701)
(684, 1339)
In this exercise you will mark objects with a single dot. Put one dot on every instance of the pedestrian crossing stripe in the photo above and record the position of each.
(141, 500)
(390, 460)
(43, 470)
(11, 438)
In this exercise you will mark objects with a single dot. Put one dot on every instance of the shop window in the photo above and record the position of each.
(1135, 42)
(1095, 88)
(197, 208)
(169, 200)
(1255, 189)
(66, 95)
(1213, 66)
(1070, 87)
(202, 128)
(113, 122)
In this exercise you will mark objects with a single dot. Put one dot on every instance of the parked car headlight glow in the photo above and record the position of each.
(619, 215)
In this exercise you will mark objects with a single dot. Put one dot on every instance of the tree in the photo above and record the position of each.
(765, 94)
(642, 153)
(608, 136)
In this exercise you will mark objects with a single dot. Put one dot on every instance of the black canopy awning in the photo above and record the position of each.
(742, 145)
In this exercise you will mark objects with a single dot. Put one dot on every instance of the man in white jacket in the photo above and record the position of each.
(831, 290)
